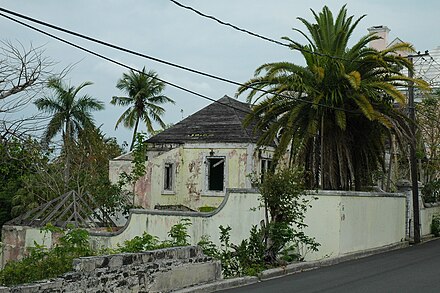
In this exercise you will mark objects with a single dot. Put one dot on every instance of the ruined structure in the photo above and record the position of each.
(193, 163)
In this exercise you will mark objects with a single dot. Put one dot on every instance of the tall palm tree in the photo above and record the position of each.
(144, 92)
(70, 114)
(336, 112)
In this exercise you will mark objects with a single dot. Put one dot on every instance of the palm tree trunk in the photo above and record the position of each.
(67, 155)
(322, 153)
(134, 134)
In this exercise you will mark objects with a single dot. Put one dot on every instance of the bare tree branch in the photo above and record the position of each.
(23, 75)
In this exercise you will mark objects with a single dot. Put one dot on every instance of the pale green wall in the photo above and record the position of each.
(342, 222)
(190, 174)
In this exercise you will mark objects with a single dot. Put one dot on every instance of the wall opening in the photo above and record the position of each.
(168, 177)
(216, 174)
(266, 165)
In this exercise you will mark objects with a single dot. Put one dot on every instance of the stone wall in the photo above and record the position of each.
(161, 270)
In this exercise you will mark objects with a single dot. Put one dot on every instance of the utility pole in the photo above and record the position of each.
(413, 158)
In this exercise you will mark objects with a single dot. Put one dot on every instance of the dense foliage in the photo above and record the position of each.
(428, 122)
(279, 240)
(335, 113)
(144, 97)
(19, 161)
(43, 263)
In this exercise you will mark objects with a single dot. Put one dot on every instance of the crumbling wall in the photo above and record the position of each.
(161, 270)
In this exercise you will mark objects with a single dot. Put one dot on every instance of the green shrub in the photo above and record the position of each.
(435, 225)
(140, 243)
(431, 191)
(43, 263)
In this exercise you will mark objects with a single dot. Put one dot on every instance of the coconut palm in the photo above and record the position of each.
(70, 114)
(144, 92)
(336, 112)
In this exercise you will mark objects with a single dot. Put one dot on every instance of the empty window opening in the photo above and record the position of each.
(216, 173)
(266, 165)
(168, 177)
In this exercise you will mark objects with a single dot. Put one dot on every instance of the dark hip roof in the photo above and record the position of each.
(221, 121)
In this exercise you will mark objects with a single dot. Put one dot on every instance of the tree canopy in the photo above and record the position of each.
(334, 114)
(144, 98)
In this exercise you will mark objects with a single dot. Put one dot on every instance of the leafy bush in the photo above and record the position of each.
(435, 225)
(285, 203)
(431, 191)
(207, 209)
(140, 243)
(42, 263)
(278, 239)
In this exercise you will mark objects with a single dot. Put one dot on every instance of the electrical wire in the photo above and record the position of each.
(120, 63)
(230, 25)
(147, 57)
(255, 34)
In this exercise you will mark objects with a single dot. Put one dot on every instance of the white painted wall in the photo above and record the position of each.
(342, 222)
(426, 214)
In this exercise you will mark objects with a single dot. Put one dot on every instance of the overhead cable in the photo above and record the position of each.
(145, 56)
(255, 34)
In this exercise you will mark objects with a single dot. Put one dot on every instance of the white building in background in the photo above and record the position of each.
(425, 67)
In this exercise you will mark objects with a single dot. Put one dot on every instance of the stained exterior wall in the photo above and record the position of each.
(342, 222)
(190, 181)
(17, 239)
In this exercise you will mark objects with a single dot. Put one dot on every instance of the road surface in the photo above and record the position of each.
(412, 269)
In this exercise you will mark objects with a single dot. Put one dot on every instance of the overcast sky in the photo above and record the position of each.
(161, 29)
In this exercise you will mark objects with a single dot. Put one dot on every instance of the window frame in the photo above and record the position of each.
(169, 176)
(208, 159)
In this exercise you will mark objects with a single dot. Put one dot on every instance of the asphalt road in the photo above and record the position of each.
(412, 269)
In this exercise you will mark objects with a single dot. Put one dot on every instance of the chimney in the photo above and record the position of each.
(382, 31)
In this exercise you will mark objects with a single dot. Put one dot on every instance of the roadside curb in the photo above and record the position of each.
(311, 265)
(221, 285)
(290, 269)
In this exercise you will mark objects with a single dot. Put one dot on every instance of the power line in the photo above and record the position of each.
(147, 57)
(230, 25)
(255, 34)
(119, 63)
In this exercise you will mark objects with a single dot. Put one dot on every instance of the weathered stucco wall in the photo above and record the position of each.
(162, 270)
(342, 222)
(346, 222)
(16, 240)
(190, 169)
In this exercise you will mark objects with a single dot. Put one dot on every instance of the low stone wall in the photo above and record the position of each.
(161, 270)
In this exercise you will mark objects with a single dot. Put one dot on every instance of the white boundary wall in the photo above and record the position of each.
(342, 222)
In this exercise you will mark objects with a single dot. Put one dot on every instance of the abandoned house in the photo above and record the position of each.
(191, 164)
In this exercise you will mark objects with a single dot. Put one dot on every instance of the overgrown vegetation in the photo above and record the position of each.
(279, 240)
(43, 263)
(428, 121)
(431, 191)
(435, 225)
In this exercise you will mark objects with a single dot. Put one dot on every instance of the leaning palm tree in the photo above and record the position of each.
(144, 92)
(70, 114)
(334, 113)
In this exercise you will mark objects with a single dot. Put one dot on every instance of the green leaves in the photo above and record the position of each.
(144, 90)
(324, 109)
